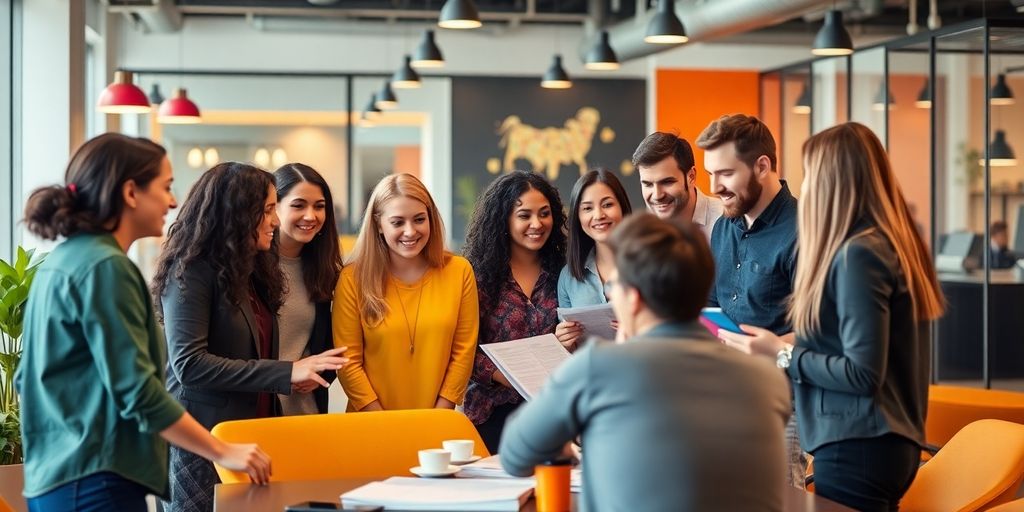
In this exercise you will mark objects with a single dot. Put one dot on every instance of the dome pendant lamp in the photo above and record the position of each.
(123, 97)
(155, 96)
(1000, 153)
(803, 103)
(833, 39)
(665, 27)
(602, 57)
(406, 77)
(427, 55)
(556, 77)
(386, 99)
(924, 98)
(178, 110)
(1001, 93)
(371, 111)
(459, 14)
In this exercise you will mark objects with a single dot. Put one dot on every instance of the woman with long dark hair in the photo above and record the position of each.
(516, 244)
(311, 262)
(220, 288)
(598, 203)
(95, 417)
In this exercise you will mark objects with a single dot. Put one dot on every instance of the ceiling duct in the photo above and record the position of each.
(703, 21)
(156, 15)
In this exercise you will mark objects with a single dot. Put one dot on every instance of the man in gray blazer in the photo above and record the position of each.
(670, 419)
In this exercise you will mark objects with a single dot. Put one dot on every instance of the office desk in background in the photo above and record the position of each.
(959, 332)
(276, 496)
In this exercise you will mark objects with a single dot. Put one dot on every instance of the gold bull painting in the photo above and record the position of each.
(547, 149)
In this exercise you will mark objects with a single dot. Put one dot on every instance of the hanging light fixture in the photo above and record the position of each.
(427, 55)
(1000, 154)
(123, 97)
(262, 158)
(556, 77)
(803, 102)
(372, 111)
(459, 14)
(924, 98)
(832, 38)
(386, 99)
(883, 98)
(665, 27)
(406, 77)
(602, 57)
(1001, 93)
(211, 157)
(195, 158)
(178, 109)
(155, 96)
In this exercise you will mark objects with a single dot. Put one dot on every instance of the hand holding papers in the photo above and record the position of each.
(596, 320)
(527, 362)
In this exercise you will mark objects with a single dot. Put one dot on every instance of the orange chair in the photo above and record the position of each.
(4, 507)
(982, 465)
(349, 445)
(950, 408)
(1012, 506)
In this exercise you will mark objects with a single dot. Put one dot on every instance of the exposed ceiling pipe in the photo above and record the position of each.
(703, 21)
(530, 14)
(157, 15)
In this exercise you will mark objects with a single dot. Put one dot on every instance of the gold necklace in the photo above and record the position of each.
(416, 317)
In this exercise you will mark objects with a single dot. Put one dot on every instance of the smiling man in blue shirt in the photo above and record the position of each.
(754, 243)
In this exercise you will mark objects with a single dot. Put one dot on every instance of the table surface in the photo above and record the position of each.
(276, 496)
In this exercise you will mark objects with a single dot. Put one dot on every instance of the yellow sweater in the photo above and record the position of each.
(441, 312)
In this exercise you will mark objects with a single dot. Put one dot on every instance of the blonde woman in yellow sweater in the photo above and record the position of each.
(405, 307)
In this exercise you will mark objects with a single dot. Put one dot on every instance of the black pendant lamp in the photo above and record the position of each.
(924, 98)
(427, 55)
(803, 103)
(1000, 154)
(556, 77)
(386, 99)
(883, 98)
(406, 77)
(1001, 93)
(602, 57)
(155, 96)
(459, 14)
(371, 111)
(665, 27)
(833, 39)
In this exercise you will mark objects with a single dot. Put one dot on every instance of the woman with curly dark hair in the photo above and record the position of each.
(219, 288)
(516, 244)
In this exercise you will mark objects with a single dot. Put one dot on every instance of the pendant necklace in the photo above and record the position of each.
(416, 317)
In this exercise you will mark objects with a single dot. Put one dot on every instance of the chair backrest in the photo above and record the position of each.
(4, 507)
(1010, 506)
(346, 445)
(982, 465)
(951, 408)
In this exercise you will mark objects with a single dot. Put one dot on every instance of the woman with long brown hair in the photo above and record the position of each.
(864, 295)
(405, 308)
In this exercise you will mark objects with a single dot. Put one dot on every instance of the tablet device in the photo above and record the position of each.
(718, 318)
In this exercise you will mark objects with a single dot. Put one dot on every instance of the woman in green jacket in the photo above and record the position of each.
(96, 418)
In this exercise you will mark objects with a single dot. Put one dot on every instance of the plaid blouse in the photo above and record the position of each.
(508, 316)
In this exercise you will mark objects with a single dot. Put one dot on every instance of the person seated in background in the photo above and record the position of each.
(999, 254)
(670, 419)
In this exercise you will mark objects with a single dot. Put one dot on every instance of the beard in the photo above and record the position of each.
(745, 200)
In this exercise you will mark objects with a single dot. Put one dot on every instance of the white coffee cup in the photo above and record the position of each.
(462, 449)
(435, 460)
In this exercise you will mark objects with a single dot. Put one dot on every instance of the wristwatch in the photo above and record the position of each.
(784, 357)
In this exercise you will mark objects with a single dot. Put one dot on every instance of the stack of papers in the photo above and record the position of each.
(596, 320)
(406, 493)
(527, 363)
(490, 467)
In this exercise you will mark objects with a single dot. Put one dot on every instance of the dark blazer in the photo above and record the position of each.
(865, 374)
(214, 367)
(322, 338)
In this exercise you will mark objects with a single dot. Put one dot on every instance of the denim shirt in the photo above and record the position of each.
(573, 293)
(754, 267)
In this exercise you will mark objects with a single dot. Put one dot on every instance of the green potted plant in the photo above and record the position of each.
(15, 281)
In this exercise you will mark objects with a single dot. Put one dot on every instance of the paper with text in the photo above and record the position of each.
(596, 320)
(527, 363)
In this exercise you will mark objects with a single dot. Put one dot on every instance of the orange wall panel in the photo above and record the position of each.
(688, 99)
(407, 159)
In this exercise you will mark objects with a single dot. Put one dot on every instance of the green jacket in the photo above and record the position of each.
(91, 377)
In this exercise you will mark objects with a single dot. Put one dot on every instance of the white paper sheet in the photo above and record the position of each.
(596, 320)
(406, 493)
(527, 362)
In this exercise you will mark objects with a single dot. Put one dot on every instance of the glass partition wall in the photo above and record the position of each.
(944, 105)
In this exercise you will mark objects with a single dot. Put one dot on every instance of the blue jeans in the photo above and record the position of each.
(93, 493)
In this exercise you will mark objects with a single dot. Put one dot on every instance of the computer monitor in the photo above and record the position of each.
(961, 250)
(1018, 232)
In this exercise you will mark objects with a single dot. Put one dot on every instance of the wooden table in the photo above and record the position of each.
(276, 496)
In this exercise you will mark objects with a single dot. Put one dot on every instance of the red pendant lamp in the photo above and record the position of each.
(178, 109)
(123, 97)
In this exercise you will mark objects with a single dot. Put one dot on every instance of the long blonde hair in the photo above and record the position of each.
(848, 178)
(371, 256)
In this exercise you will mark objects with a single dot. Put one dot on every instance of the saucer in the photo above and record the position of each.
(467, 461)
(419, 471)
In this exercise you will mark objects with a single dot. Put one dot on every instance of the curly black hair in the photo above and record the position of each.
(217, 225)
(488, 243)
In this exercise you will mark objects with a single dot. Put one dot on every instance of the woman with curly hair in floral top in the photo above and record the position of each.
(517, 279)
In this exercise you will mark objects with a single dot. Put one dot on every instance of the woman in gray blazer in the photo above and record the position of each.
(219, 287)
(864, 294)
